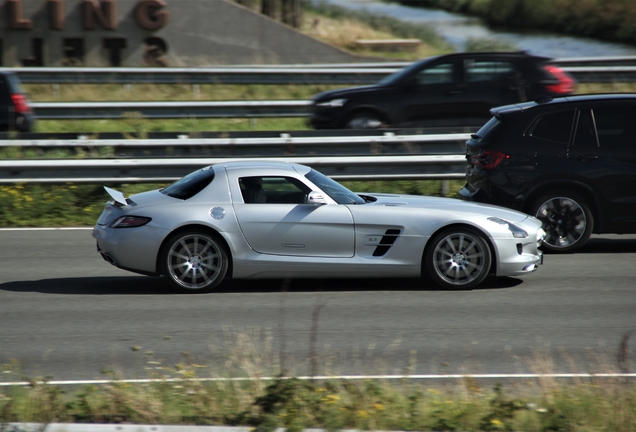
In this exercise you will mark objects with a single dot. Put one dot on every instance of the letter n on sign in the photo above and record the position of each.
(106, 14)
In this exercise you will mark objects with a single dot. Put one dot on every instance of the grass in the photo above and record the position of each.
(334, 404)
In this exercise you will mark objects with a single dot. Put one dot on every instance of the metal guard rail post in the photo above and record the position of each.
(584, 70)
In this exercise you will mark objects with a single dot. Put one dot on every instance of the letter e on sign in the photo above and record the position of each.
(152, 14)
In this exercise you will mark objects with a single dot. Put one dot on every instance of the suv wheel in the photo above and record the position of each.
(567, 221)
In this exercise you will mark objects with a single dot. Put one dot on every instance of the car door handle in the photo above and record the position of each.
(586, 157)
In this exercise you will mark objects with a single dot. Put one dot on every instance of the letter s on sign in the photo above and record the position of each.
(152, 14)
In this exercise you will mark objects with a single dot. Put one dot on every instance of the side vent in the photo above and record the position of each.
(386, 242)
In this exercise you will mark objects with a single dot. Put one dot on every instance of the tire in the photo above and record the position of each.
(364, 120)
(458, 258)
(194, 261)
(567, 221)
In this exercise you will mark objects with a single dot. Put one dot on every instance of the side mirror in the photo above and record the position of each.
(316, 198)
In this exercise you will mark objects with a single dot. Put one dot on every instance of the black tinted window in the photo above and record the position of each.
(438, 74)
(190, 185)
(616, 127)
(486, 70)
(15, 86)
(585, 132)
(489, 129)
(553, 127)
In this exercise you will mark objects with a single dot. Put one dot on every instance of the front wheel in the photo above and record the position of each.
(364, 120)
(567, 221)
(458, 258)
(194, 261)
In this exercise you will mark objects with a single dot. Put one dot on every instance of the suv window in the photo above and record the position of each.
(616, 127)
(555, 126)
(486, 70)
(585, 131)
(438, 74)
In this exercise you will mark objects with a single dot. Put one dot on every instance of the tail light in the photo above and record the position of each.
(21, 104)
(566, 83)
(488, 159)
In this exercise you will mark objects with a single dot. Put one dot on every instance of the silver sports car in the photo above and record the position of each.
(263, 219)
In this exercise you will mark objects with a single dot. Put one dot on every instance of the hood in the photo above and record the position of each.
(449, 204)
(349, 92)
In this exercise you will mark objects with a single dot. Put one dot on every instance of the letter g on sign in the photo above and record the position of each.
(152, 14)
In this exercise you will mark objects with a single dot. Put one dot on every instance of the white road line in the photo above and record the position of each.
(343, 377)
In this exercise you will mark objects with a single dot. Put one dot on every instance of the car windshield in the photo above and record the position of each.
(397, 76)
(190, 185)
(335, 190)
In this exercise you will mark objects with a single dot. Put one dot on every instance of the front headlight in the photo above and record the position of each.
(540, 236)
(334, 103)
(514, 229)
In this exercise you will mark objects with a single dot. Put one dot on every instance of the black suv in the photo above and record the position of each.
(569, 161)
(448, 90)
(15, 111)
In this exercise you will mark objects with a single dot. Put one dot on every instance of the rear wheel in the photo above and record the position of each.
(364, 120)
(194, 261)
(567, 221)
(458, 258)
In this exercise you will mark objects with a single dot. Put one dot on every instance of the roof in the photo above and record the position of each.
(567, 100)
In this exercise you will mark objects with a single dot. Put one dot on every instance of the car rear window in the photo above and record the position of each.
(190, 185)
(15, 86)
(489, 129)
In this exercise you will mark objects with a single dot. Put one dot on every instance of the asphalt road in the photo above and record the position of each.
(67, 314)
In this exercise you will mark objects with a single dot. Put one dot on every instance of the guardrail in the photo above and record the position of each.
(164, 170)
(385, 157)
(585, 70)
(159, 110)
(280, 146)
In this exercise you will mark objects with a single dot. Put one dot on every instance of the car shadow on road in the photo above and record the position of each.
(144, 285)
(613, 244)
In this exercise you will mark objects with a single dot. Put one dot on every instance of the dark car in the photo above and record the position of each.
(448, 90)
(570, 161)
(15, 112)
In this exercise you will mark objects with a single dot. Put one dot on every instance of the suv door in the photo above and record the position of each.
(603, 154)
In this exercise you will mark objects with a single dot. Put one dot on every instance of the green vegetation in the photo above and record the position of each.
(341, 27)
(176, 395)
(613, 20)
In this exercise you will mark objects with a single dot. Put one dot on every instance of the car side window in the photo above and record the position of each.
(585, 131)
(273, 190)
(486, 70)
(555, 127)
(439, 74)
(616, 127)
